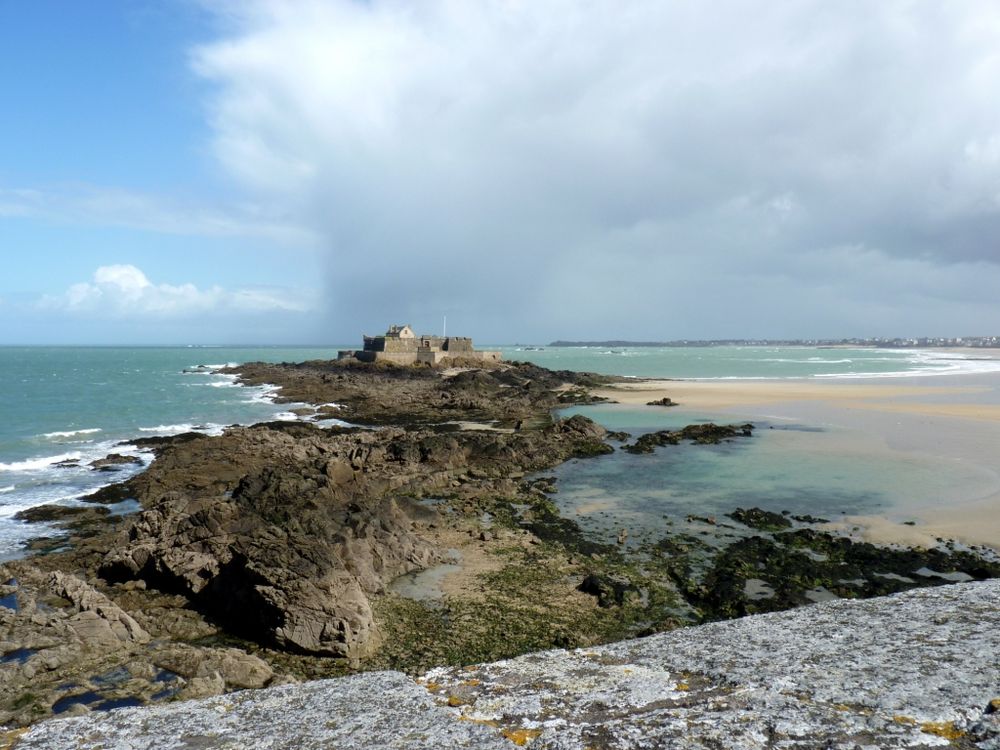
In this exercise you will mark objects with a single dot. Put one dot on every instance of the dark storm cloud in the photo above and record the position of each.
(541, 169)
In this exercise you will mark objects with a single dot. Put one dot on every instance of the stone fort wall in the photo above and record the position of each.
(423, 349)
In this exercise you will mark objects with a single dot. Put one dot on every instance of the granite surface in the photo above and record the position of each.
(917, 669)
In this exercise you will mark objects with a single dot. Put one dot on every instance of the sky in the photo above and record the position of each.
(302, 171)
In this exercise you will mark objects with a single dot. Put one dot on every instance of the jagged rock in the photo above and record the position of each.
(756, 518)
(99, 619)
(282, 532)
(699, 434)
(237, 668)
(610, 591)
(662, 402)
(56, 513)
(113, 461)
(381, 394)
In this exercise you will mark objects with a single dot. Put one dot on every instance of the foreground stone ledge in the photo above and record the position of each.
(918, 669)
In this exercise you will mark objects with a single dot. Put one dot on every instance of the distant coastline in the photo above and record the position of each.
(972, 342)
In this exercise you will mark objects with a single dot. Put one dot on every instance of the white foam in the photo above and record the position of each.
(265, 394)
(165, 430)
(223, 383)
(71, 433)
(212, 367)
(172, 428)
(928, 364)
(42, 462)
(9, 488)
(331, 422)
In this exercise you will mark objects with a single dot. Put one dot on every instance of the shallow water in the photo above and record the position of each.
(797, 467)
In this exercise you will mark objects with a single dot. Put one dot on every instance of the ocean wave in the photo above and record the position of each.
(193, 369)
(927, 364)
(8, 488)
(165, 430)
(808, 361)
(71, 433)
(264, 394)
(223, 383)
(42, 462)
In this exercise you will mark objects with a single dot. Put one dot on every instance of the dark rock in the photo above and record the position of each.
(662, 402)
(699, 434)
(50, 513)
(380, 393)
(764, 520)
(114, 460)
(610, 591)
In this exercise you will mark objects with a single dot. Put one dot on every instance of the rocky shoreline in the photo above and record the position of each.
(422, 534)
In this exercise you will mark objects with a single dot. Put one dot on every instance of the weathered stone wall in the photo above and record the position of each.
(399, 345)
(915, 670)
(458, 345)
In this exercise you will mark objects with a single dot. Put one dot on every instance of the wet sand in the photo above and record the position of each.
(954, 418)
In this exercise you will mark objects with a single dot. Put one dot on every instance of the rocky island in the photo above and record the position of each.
(405, 523)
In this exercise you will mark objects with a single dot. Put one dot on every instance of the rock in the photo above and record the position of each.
(372, 710)
(282, 531)
(99, 620)
(114, 460)
(238, 669)
(203, 687)
(662, 402)
(911, 670)
(55, 513)
(386, 394)
(610, 591)
(763, 520)
(699, 434)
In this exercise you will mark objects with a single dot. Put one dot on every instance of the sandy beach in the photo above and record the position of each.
(950, 418)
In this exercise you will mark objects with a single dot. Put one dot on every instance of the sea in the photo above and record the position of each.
(62, 408)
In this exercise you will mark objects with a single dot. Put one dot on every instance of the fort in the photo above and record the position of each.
(401, 346)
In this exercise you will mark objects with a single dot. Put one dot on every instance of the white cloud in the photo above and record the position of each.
(125, 291)
(501, 158)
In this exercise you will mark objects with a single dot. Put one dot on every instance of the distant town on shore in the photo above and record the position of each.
(975, 342)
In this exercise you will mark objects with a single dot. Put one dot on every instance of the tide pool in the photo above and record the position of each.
(797, 467)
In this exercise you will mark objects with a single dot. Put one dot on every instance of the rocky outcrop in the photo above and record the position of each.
(68, 647)
(98, 620)
(383, 393)
(283, 532)
(699, 434)
(914, 670)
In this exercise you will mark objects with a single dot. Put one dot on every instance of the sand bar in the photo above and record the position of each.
(955, 418)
